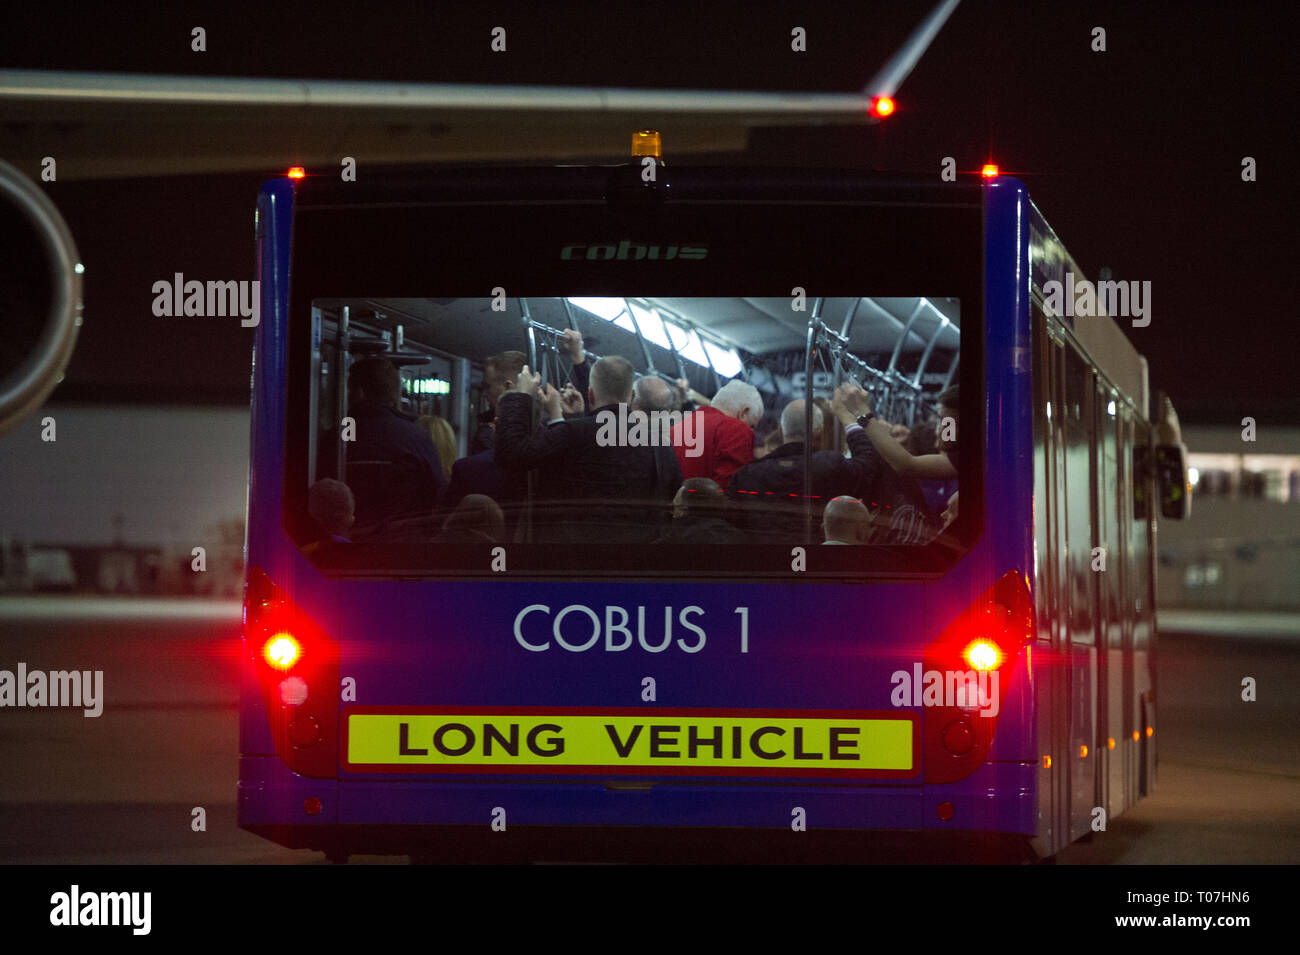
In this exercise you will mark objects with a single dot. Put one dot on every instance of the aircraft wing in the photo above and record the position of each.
(106, 125)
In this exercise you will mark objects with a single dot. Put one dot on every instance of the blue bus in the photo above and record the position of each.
(473, 615)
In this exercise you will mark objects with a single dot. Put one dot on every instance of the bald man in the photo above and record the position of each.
(650, 393)
(771, 491)
(846, 520)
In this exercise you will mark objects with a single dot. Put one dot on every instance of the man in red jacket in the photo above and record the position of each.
(722, 434)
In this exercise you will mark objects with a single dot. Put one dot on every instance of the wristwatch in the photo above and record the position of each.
(863, 419)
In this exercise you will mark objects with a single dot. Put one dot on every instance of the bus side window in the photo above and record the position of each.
(1141, 482)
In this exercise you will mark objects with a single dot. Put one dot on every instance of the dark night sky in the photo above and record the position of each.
(1133, 154)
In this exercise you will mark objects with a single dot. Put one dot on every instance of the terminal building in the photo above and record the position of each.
(1241, 548)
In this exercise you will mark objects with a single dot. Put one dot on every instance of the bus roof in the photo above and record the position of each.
(1100, 337)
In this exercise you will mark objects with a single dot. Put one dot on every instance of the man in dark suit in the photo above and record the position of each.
(392, 465)
(499, 373)
(771, 490)
(588, 488)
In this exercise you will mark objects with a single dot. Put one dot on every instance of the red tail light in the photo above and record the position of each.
(982, 643)
(297, 667)
(281, 650)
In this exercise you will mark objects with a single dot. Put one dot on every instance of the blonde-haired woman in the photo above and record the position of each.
(444, 439)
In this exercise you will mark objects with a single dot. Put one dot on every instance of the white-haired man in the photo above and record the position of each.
(723, 434)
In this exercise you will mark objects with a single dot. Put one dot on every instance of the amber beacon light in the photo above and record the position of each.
(646, 142)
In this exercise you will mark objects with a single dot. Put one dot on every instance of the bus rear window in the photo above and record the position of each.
(632, 435)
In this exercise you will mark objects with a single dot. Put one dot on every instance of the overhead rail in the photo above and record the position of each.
(896, 397)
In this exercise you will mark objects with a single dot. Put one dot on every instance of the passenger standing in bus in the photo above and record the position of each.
(444, 439)
(939, 466)
(617, 492)
(920, 440)
(772, 490)
(393, 467)
(889, 481)
(651, 393)
(580, 372)
(724, 430)
(500, 371)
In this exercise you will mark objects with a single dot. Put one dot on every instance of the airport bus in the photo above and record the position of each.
(416, 681)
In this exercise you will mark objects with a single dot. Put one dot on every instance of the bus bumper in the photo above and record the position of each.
(997, 798)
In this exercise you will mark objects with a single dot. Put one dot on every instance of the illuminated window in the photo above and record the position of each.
(652, 327)
(693, 350)
(607, 308)
(724, 359)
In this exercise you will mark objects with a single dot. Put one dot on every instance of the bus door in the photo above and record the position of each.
(1111, 636)
(1080, 535)
(1141, 607)
(1053, 583)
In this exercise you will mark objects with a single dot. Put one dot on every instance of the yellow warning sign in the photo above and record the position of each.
(737, 742)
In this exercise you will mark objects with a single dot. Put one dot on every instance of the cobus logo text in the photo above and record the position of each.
(628, 251)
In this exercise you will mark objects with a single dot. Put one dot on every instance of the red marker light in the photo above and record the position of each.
(882, 106)
(296, 172)
(989, 171)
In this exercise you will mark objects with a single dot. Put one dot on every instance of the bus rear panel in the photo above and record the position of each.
(411, 680)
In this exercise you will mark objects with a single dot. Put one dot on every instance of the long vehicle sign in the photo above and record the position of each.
(850, 743)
